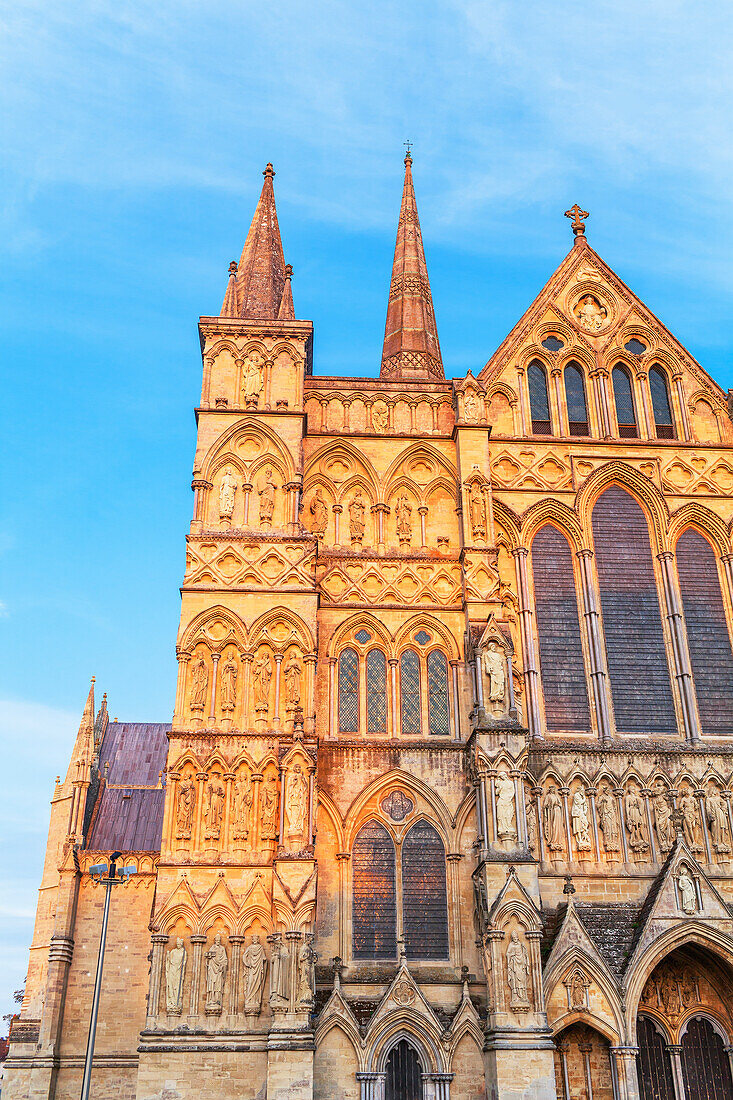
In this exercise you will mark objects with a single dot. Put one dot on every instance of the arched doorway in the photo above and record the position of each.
(404, 1073)
(583, 1065)
(654, 1067)
(705, 1062)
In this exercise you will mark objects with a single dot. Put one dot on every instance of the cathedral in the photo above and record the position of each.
(444, 808)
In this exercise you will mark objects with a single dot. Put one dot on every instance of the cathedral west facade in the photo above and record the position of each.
(444, 808)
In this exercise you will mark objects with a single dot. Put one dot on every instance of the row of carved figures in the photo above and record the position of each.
(231, 799)
(215, 691)
(291, 965)
(631, 822)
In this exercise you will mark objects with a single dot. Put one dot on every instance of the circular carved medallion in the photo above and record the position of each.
(403, 994)
(397, 805)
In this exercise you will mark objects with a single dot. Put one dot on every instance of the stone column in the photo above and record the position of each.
(393, 663)
(681, 657)
(441, 1084)
(228, 778)
(619, 793)
(537, 793)
(276, 714)
(247, 489)
(197, 949)
(423, 536)
(456, 702)
(183, 660)
(283, 781)
(624, 1062)
(591, 617)
(591, 792)
(196, 837)
(369, 1084)
(564, 792)
(212, 706)
(333, 696)
(309, 660)
(235, 961)
(650, 428)
(519, 808)
(479, 681)
(599, 376)
(487, 819)
(684, 417)
(654, 855)
(675, 1058)
(560, 409)
(531, 675)
(337, 510)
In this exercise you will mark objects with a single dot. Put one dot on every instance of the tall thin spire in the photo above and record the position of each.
(411, 350)
(259, 278)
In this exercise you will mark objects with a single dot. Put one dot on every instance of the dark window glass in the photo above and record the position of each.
(624, 399)
(575, 399)
(635, 346)
(562, 668)
(376, 691)
(552, 343)
(374, 916)
(660, 404)
(410, 691)
(424, 895)
(438, 713)
(707, 633)
(403, 1080)
(362, 636)
(349, 691)
(632, 623)
(538, 401)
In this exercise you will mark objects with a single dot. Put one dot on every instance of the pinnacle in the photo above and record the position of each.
(411, 350)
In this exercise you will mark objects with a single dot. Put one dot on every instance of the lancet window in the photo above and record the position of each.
(410, 692)
(624, 400)
(660, 404)
(348, 675)
(575, 400)
(418, 877)
(538, 399)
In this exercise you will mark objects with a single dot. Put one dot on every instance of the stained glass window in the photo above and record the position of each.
(624, 399)
(424, 893)
(422, 637)
(438, 713)
(349, 691)
(660, 404)
(635, 346)
(375, 906)
(538, 402)
(376, 691)
(552, 343)
(362, 636)
(575, 400)
(410, 691)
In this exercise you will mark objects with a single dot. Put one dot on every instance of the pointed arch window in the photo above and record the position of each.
(403, 1079)
(348, 691)
(660, 404)
(624, 399)
(538, 399)
(632, 623)
(562, 669)
(424, 893)
(410, 702)
(374, 910)
(707, 632)
(376, 691)
(575, 400)
(438, 712)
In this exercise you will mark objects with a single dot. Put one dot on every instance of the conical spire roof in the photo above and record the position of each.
(259, 279)
(411, 350)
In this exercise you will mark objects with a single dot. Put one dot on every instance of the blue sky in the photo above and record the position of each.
(133, 138)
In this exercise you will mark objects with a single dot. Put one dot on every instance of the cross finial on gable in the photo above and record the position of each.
(578, 225)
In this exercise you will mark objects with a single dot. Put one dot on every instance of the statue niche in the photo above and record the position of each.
(261, 677)
(296, 809)
(185, 806)
(175, 973)
(242, 796)
(227, 496)
(217, 964)
(199, 680)
(228, 672)
(518, 977)
(269, 806)
(214, 806)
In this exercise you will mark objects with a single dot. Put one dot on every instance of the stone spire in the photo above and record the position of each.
(287, 311)
(411, 350)
(259, 278)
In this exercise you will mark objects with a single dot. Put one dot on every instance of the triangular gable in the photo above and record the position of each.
(584, 269)
(672, 902)
(404, 993)
(513, 897)
(573, 942)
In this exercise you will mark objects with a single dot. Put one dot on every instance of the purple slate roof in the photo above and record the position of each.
(130, 818)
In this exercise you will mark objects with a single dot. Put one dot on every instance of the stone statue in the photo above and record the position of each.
(579, 820)
(268, 809)
(591, 315)
(531, 815)
(280, 978)
(241, 806)
(495, 669)
(356, 517)
(470, 406)
(267, 498)
(175, 972)
(217, 965)
(690, 820)
(517, 966)
(635, 821)
(306, 971)
(686, 887)
(552, 820)
(608, 819)
(577, 990)
(292, 673)
(227, 494)
(380, 417)
(252, 381)
(403, 513)
(296, 806)
(228, 683)
(506, 818)
(477, 505)
(185, 805)
(199, 683)
(717, 817)
(254, 960)
(261, 676)
(319, 512)
(663, 817)
(214, 807)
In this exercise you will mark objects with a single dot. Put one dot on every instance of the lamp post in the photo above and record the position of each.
(108, 876)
